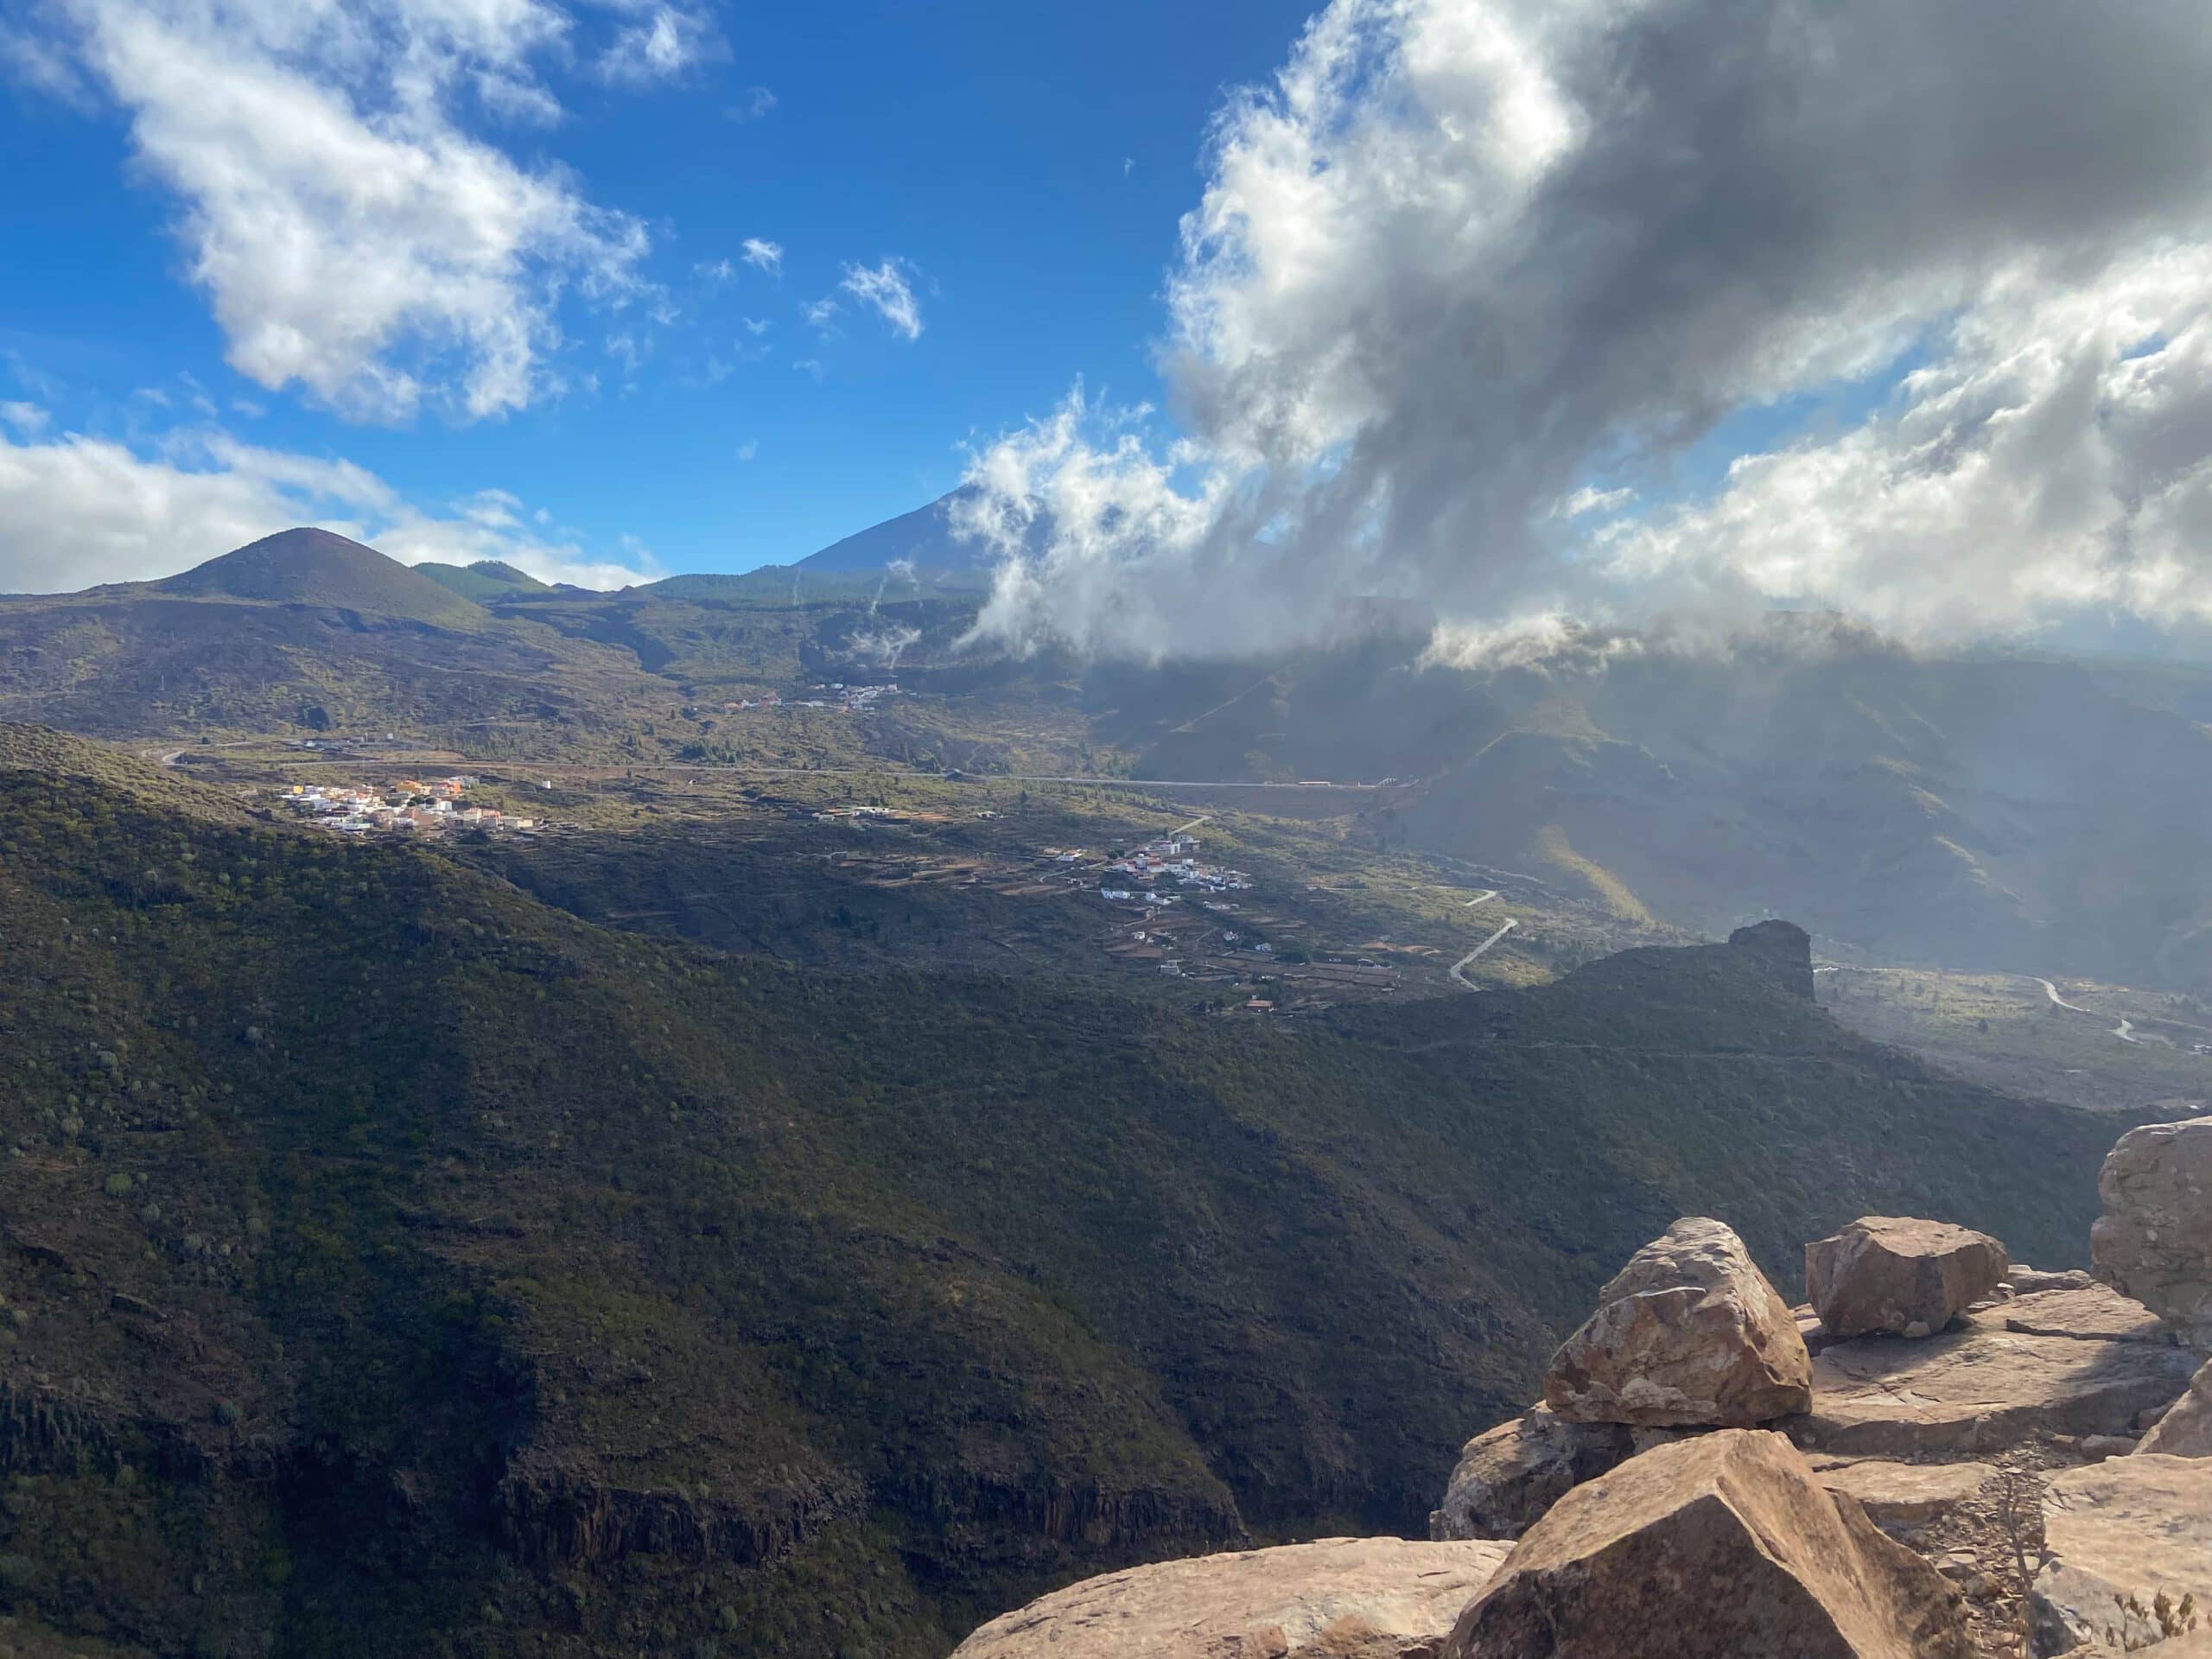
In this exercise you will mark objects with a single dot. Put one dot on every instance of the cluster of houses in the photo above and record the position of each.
(409, 806)
(1172, 858)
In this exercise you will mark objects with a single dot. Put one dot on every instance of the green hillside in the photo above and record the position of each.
(484, 581)
(395, 1266)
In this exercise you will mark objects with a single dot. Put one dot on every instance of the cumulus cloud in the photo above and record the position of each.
(76, 511)
(885, 290)
(763, 255)
(1463, 265)
(352, 234)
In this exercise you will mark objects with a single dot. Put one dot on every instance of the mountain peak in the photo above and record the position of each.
(309, 566)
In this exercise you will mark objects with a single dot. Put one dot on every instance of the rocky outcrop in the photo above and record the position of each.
(2185, 1430)
(1720, 1546)
(2154, 1241)
(1981, 1389)
(1899, 1275)
(1689, 1334)
(2122, 1537)
(1507, 1477)
(1368, 1597)
(554, 1519)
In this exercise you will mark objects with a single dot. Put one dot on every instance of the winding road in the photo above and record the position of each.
(1458, 967)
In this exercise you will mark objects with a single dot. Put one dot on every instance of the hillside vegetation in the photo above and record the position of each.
(393, 1265)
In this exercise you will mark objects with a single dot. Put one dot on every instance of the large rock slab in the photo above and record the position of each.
(2154, 1241)
(1981, 1389)
(1722, 1546)
(1907, 1494)
(1340, 1596)
(1507, 1477)
(2118, 1537)
(2186, 1429)
(2097, 1312)
(1899, 1275)
(1689, 1334)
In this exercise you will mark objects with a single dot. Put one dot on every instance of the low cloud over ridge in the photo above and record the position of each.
(1468, 269)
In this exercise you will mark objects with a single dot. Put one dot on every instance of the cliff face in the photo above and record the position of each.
(400, 1268)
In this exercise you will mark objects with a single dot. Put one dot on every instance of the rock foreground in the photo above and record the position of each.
(2121, 1537)
(1689, 1334)
(1726, 1544)
(1900, 1276)
(2154, 1241)
(1341, 1598)
(2014, 1475)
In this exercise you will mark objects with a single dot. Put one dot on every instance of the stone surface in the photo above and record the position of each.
(1907, 1494)
(2154, 1241)
(1722, 1546)
(1507, 1477)
(1689, 1334)
(1339, 1597)
(1980, 1389)
(2117, 1535)
(2092, 1311)
(1893, 1273)
(2185, 1430)
(2026, 1281)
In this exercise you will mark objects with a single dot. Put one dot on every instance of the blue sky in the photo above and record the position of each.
(1025, 166)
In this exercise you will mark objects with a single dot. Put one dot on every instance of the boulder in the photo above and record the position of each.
(1981, 1388)
(1900, 1276)
(1897, 1495)
(1507, 1477)
(2120, 1538)
(1722, 1546)
(1367, 1597)
(1689, 1334)
(2154, 1241)
(2185, 1431)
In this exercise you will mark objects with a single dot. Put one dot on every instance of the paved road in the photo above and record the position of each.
(1458, 967)
(2051, 991)
(2125, 1030)
(1480, 899)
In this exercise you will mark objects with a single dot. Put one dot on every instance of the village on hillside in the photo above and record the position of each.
(405, 807)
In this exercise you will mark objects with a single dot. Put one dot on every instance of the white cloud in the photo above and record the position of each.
(2055, 458)
(885, 290)
(1460, 256)
(821, 313)
(756, 102)
(714, 272)
(78, 511)
(351, 236)
(763, 255)
(749, 448)
(665, 41)
(27, 419)
(1590, 499)
(810, 366)
(756, 326)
